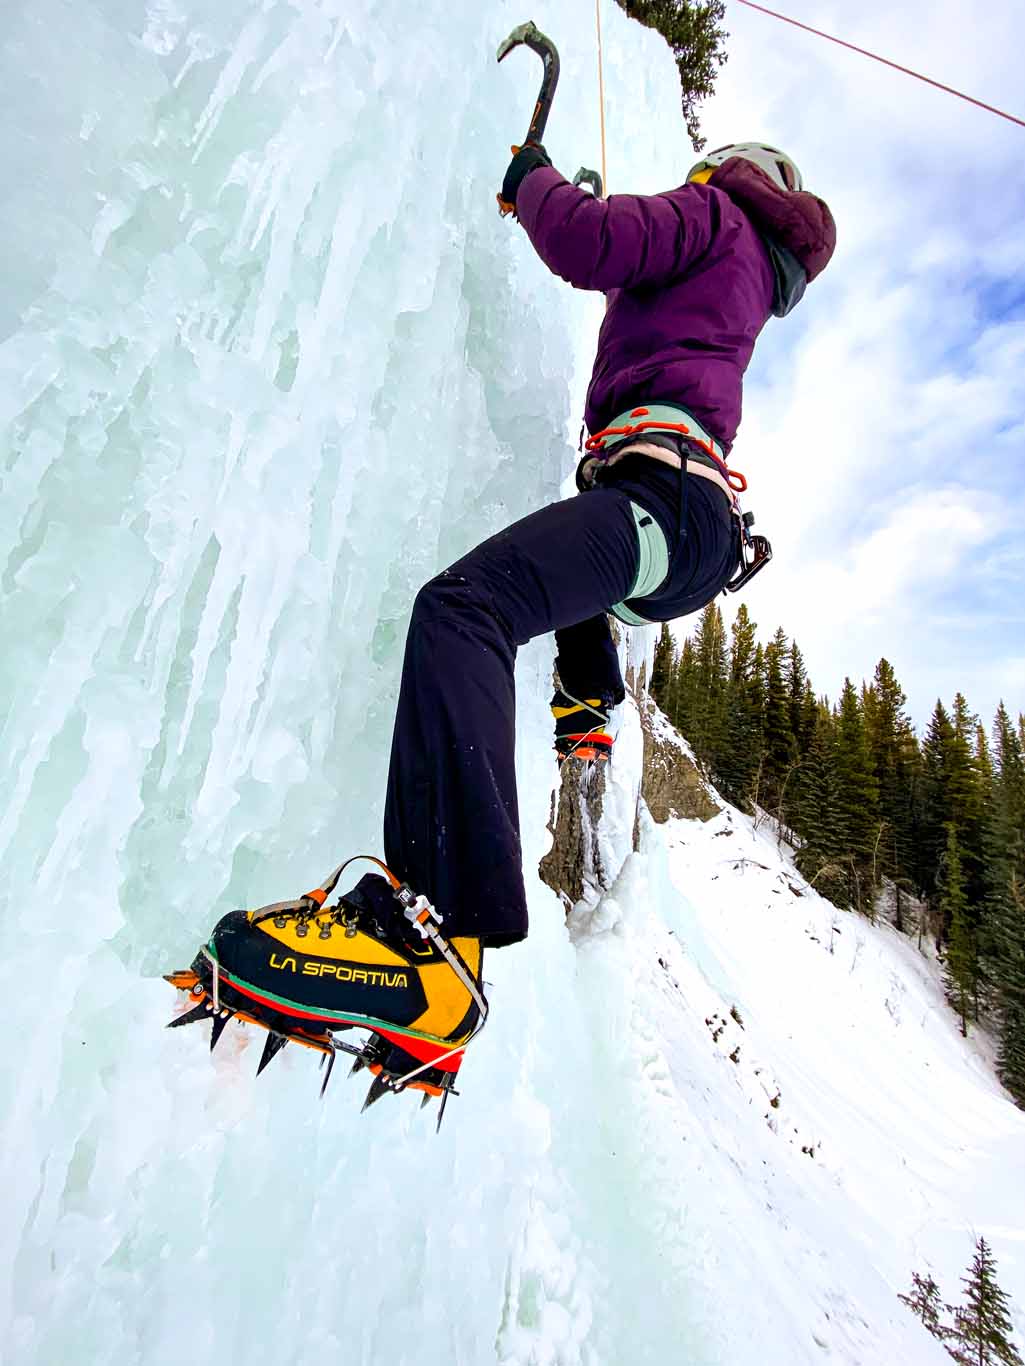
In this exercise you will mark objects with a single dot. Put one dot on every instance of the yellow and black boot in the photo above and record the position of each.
(581, 727)
(376, 960)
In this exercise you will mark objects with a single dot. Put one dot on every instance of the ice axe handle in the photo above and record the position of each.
(529, 35)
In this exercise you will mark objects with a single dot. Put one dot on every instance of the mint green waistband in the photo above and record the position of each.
(652, 564)
(657, 413)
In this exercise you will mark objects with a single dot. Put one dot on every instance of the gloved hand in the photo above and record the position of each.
(525, 159)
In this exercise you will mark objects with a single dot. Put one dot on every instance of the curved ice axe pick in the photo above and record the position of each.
(529, 35)
(592, 178)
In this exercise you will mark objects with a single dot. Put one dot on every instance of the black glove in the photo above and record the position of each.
(525, 160)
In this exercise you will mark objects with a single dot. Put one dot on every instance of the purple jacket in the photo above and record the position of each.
(691, 276)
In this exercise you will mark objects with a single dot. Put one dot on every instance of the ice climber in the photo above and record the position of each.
(691, 276)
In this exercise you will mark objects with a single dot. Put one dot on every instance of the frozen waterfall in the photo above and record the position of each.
(270, 359)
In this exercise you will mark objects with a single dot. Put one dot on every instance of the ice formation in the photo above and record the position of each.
(270, 359)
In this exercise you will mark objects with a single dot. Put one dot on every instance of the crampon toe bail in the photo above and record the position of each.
(306, 972)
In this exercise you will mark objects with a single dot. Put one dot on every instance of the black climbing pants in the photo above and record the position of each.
(451, 826)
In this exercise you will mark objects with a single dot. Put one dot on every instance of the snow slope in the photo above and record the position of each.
(272, 359)
(807, 1125)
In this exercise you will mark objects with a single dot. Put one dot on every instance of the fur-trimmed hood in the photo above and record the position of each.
(799, 222)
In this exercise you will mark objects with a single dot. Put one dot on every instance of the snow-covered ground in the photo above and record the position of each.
(805, 1120)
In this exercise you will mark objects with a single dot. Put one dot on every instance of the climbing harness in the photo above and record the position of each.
(755, 551)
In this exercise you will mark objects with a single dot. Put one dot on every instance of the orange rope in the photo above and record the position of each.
(885, 61)
(601, 99)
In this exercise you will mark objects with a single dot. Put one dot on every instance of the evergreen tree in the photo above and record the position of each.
(698, 44)
(985, 935)
(672, 702)
(779, 749)
(742, 648)
(1004, 942)
(801, 809)
(895, 762)
(685, 705)
(925, 1301)
(708, 721)
(982, 1327)
(821, 856)
(738, 763)
(967, 799)
(662, 668)
(961, 973)
(858, 798)
(795, 676)
(934, 809)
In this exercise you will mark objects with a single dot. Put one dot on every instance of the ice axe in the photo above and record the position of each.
(529, 35)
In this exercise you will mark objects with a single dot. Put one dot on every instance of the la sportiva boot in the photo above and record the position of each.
(581, 727)
(375, 960)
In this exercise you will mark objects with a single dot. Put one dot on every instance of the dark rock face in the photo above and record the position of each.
(574, 863)
(670, 786)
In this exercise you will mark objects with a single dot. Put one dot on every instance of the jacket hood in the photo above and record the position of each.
(798, 223)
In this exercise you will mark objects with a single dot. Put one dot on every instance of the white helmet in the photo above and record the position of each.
(775, 163)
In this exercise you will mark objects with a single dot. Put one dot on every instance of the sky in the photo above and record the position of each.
(884, 421)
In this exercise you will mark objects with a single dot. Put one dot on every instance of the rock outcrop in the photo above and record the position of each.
(670, 786)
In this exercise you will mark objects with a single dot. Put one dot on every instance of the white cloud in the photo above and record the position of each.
(884, 422)
(883, 430)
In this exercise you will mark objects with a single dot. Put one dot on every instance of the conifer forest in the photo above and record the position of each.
(929, 832)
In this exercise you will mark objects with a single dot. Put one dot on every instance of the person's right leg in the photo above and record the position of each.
(451, 817)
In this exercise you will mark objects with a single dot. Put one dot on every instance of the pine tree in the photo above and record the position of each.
(662, 667)
(779, 749)
(708, 722)
(982, 1328)
(925, 1301)
(795, 675)
(820, 857)
(934, 807)
(961, 969)
(685, 703)
(698, 44)
(1004, 943)
(896, 762)
(738, 763)
(859, 798)
(967, 799)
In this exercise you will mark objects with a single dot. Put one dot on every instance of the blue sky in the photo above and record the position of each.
(884, 423)
(895, 409)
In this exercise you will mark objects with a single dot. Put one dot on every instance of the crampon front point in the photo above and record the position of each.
(306, 972)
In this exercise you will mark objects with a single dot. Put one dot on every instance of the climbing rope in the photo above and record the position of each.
(885, 61)
(601, 97)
